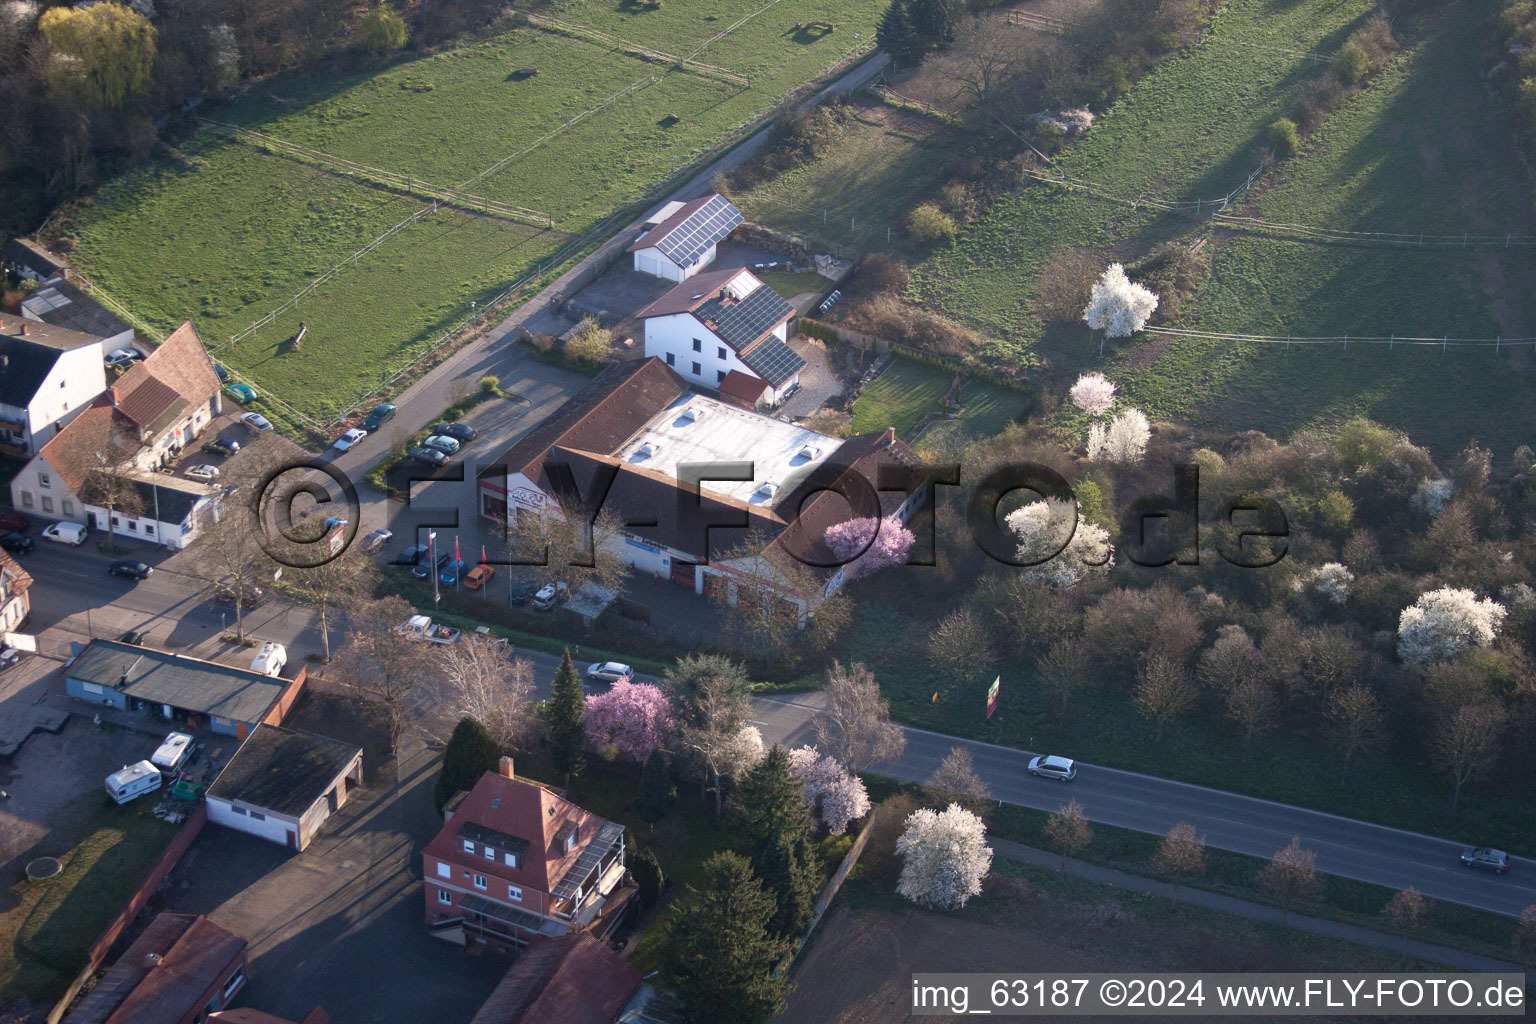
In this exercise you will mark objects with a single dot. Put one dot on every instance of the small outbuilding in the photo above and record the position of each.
(681, 238)
(283, 784)
(181, 968)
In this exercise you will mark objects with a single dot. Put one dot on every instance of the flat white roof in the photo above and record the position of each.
(725, 433)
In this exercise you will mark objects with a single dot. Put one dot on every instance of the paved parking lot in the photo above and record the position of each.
(340, 925)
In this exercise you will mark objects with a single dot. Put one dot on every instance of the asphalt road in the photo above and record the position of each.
(1242, 824)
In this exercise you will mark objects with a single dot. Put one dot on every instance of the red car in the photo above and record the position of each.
(13, 522)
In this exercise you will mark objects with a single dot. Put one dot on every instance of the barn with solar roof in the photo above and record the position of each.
(720, 322)
(680, 240)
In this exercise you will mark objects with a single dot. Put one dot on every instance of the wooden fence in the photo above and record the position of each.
(828, 893)
(125, 917)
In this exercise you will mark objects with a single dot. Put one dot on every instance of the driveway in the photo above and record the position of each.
(818, 380)
(340, 925)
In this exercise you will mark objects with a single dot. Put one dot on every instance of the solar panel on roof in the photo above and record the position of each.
(707, 225)
(774, 361)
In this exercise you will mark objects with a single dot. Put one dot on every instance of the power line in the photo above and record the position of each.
(1389, 340)
(1401, 239)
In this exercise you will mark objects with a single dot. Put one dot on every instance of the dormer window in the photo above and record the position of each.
(570, 841)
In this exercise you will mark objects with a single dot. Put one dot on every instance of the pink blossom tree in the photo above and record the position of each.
(633, 718)
(892, 541)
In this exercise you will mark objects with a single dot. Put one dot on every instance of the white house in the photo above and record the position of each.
(724, 321)
(680, 240)
(62, 303)
(137, 425)
(47, 375)
(282, 784)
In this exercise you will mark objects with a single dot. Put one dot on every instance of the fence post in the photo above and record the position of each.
(1496, 342)
(1391, 341)
(1444, 342)
(1346, 342)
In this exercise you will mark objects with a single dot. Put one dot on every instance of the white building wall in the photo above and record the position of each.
(39, 490)
(77, 377)
(671, 338)
(270, 827)
(654, 262)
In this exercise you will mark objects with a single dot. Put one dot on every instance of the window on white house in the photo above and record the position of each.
(148, 529)
(443, 870)
(47, 503)
(469, 847)
(258, 816)
(515, 892)
(720, 353)
(696, 369)
(719, 376)
(445, 897)
(234, 982)
(26, 499)
(671, 359)
(236, 810)
(133, 526)
(479, 881)
(44, 480)
(116, 521)
(68, 506)
(93, 688)
(511, 860)
(698, 345)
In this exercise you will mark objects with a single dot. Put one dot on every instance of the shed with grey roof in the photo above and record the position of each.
(283, 784)
(176, 687)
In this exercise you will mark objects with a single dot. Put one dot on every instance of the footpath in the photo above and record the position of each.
(1457, 958)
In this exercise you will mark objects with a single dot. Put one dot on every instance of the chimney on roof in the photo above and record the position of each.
(504, 768)
(890, 436)
(23, 329)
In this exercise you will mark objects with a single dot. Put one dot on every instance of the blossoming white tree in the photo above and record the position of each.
(836, 796)
(1093, 393)
(1040, 528)
(1117, 306)
(945, 857)
(1332, 581)
(1124, 440)
(1433, 495)
(1443, 623)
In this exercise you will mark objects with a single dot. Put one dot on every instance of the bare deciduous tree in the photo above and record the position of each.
(1407, 909)
(566, 550)
(1525, 931)
(960, 638)
(1068, 830)
(711, 729)
(1251, 705)
(855, 726)
(481, 680)
(110, 446)
(337, 583)
(1357, 723)
(1165, 692)
(1182, 852)
(956, 781)
(983, 64)
(1466, 743)
(1292, 876)
(389, 665)
(1063, 672)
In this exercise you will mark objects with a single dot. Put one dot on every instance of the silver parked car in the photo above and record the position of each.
(609, 672)
(1053, 767)
(1486, 858)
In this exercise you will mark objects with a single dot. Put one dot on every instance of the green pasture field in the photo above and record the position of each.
(1424, 148)
(906, 391)
(230, 236)
(883, 163)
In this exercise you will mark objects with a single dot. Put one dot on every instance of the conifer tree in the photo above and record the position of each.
(657, 793)
(721, 956)
(566, 704)
(770, 805)
(791, 872)
(470, 753)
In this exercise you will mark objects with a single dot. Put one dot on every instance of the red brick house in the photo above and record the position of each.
(515, 860)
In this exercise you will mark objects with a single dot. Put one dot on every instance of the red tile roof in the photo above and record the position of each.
(600, 417)
(526, 810)
(72, 451)
(671, 224)
(176, 375)
(570, 979)
(694, 292)
(164, 975)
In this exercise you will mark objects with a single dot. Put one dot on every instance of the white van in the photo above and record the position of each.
(173, 753)
(133, 781)
(66, 533)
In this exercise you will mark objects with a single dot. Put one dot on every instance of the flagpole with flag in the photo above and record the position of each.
(432, 563)
(992, 696)
(457, 559)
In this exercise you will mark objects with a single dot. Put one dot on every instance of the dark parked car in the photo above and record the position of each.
(222, 446)
(135, 637)
(450, 572)
(431, 456)
(132, 570)
(424, 571)
(381, 415)
(460, 432)
(412, 555)
(13, 522)
(16, 543)
(521, 592)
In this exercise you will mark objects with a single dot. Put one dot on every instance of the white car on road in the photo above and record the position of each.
(256, 421)
(203, 472)
(1053, 767)
(350, 438)
(122, 357)
(269, 661)
(609, 672)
